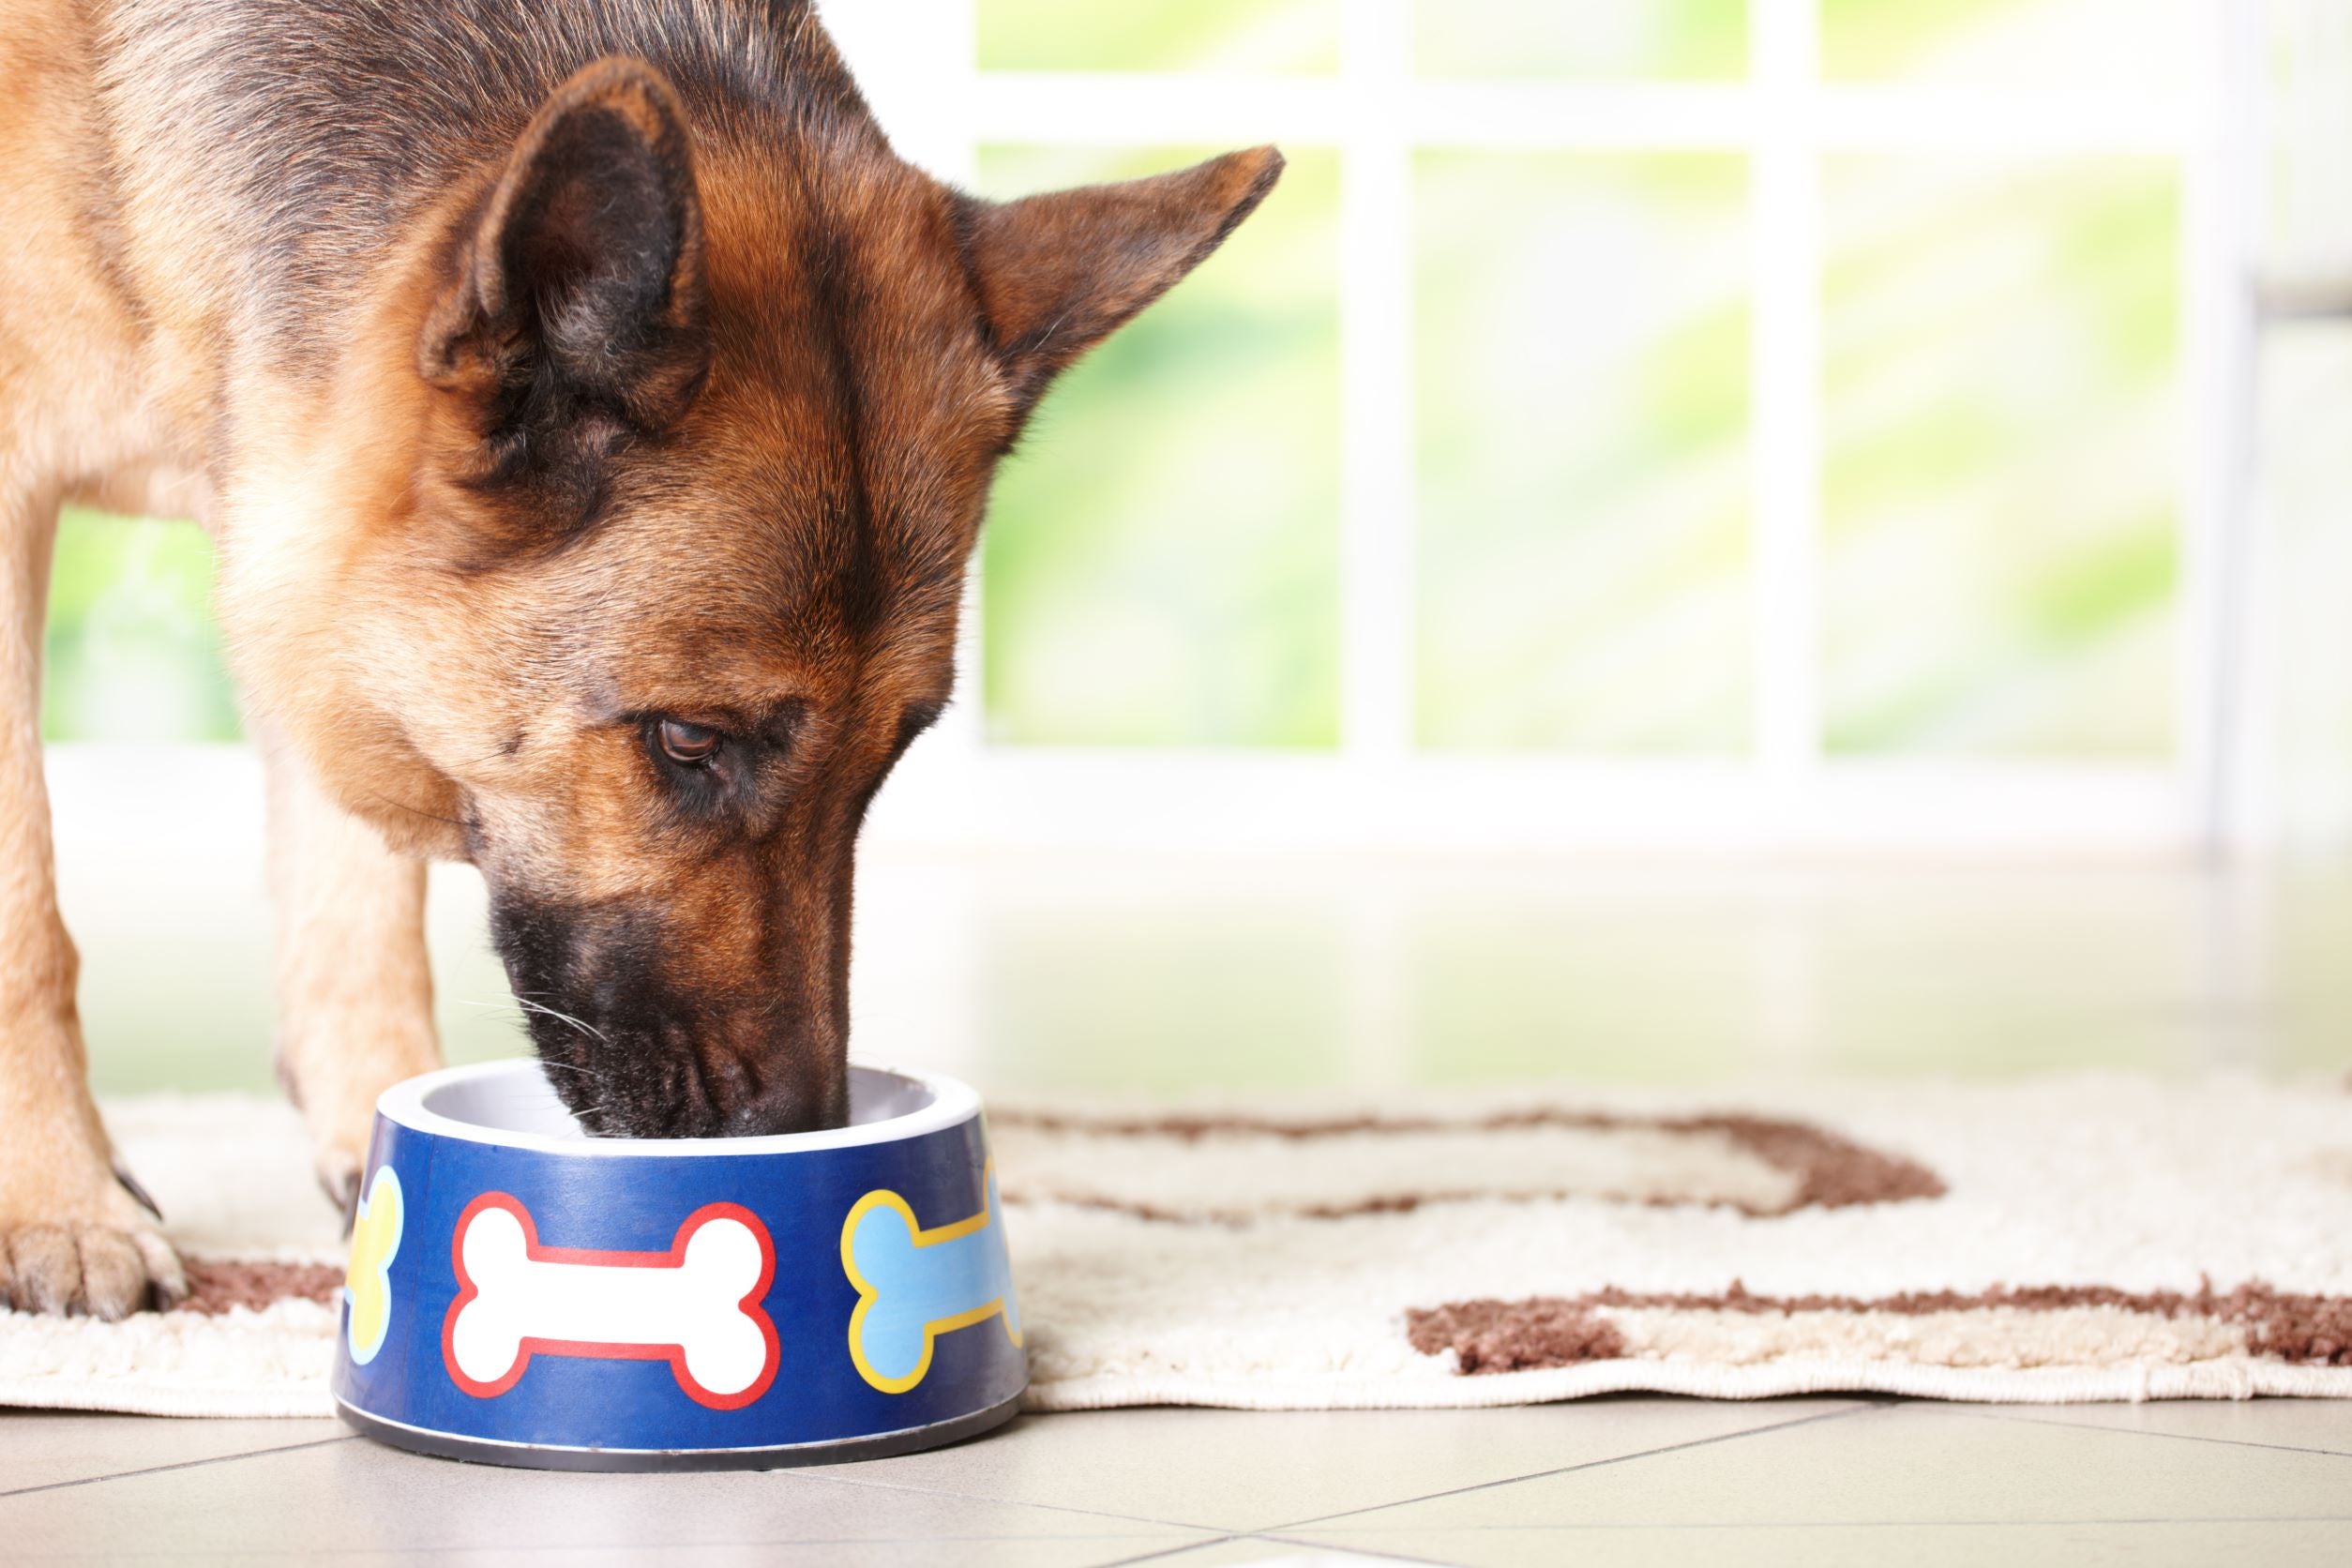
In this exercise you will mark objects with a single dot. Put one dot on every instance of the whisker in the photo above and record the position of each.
(528, 1005)
(587, 1029)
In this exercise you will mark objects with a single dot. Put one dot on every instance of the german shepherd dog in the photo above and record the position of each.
(594, 419)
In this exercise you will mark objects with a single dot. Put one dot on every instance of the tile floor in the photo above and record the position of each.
(1035, 972)
(1817, 1482)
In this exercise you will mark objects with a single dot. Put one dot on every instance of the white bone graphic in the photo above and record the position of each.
(696, 1305)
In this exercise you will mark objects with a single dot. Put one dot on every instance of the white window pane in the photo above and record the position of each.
(1631, 39)
(1248, 36)
(2037, 43)
(2001, 484)
(1581, 362)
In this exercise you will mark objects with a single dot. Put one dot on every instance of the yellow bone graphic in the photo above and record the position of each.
(375, 1240)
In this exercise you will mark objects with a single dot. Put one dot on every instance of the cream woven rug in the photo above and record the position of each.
(2065, 1239)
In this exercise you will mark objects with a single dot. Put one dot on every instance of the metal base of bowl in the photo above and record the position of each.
(532, 1456)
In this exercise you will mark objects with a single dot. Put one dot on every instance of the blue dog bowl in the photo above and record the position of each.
(521, 1294)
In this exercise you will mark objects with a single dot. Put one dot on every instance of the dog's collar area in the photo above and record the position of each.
(513, 1105)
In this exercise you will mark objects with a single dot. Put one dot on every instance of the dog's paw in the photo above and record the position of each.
(339, 1169)
(107, 1266)
(336, 1090)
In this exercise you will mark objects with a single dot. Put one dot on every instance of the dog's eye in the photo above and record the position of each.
(689, 745)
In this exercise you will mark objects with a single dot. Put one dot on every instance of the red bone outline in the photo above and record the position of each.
(674, 1257)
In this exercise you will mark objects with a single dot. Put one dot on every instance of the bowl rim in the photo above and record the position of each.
(953, 1103)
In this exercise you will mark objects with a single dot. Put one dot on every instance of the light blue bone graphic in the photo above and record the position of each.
(915, 1285)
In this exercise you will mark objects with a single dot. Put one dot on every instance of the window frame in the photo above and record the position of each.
(918, 62)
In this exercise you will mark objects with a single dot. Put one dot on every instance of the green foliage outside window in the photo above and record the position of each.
(133, 654)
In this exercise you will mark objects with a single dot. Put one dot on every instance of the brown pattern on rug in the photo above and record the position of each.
(219, 1285)
(1514, 1336)
(1490, 1336)
(1831, 1171)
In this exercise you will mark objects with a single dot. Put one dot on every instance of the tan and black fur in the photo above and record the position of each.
(594, 418)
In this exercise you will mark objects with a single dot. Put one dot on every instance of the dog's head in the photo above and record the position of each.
(683, 430)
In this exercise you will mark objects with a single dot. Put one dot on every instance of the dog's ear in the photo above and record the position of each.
(1057, 273)
(571, 318)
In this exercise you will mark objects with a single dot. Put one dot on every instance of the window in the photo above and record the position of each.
(1669, 420)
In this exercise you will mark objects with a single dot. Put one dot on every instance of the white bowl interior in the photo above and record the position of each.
(513, 1101)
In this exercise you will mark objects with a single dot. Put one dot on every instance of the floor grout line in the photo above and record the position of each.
(1872, 1524)
(2135, 1432)
(1240, 1532)
(185, 1464)
(1219, 1538)
(1593, 1464)
(1011, 1503)
(1390, 1553)
(1171, 1552)
(1385, 1554)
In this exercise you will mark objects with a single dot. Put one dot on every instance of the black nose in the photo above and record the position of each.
(787, 1107)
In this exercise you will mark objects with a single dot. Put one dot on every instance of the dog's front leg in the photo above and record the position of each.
(354, 988)
(71, 1238)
